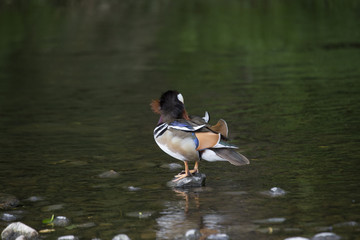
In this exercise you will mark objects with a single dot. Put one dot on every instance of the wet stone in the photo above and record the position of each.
(8, 201)
(109, 174)
(296, 238)
(274, 192)
(144, 214)
(271, 220)
(121, 237)
(326, 236)
(133, 189)
(218, 236)
(61, 221)
(192, 234)
(346, 224)
(68, 237)
(196, 180)
(35, 199)
(8, 217)
(18, 229)
(22, 237)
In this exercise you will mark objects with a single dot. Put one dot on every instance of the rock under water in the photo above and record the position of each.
(8, 201)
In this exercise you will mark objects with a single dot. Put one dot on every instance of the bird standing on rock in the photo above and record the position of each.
(191, 138)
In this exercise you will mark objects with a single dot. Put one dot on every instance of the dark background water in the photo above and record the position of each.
(76, 80)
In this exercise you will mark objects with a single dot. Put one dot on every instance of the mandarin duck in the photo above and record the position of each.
(191, 138)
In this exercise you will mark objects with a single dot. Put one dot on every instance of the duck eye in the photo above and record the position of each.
(180, 98)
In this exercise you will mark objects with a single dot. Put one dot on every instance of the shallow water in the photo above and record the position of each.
(76, 80)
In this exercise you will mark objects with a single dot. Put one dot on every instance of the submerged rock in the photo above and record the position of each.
(35, 199)
(17, 229)
(271, 220)
(8, 201)
(296, 238)
(346, 224)
(326, 236)
(144, 214)
(192, 234)
(121, 237)
(11, 216)
(218, 236)
(274, 192)
(109, 174)
(61, 221)
(68, 237)
(133, 189)
(196, 180)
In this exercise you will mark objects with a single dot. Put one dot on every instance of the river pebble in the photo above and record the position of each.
(218, 236)
(133, 189)
(296, 238)
(109, 174)
(121, 237)
(271, 220)
(346, 224)
(61, 221)
(68, 237)
(51, 208)
(142, 214)
(7, 217)
(8, 201)
(35, 199)
(192, 234)
(14, 230)
(326, 236)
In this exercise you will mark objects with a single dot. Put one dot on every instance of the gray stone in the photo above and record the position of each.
(346, 224)
(8, 217)
(326, 236)
(133, 189)
(196, 180)
(296, 238)
(61, 221)
(192, 234)
(22, 237)
(15, 230)
(121, 237)
(52, 208)
(274, 192)
(142, 214)
(271, 220)
(35, 199)
(218, 236)
(68, 237)
(109, 174)
(8, 201)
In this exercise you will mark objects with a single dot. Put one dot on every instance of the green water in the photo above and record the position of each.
(76, 80)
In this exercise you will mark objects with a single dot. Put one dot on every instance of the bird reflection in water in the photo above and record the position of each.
(180, 216)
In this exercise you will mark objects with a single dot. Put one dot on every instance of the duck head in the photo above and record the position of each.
(170, 106)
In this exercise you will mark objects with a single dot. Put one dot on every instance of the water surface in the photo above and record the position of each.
(76, 80)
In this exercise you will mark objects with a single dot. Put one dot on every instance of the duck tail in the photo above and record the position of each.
(224, 154)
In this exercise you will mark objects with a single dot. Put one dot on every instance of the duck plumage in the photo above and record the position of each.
(191, 138)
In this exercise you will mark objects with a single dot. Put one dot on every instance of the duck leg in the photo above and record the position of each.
(183, 175)
(196, 168)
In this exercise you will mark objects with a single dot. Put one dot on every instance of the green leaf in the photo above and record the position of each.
(48, 220)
